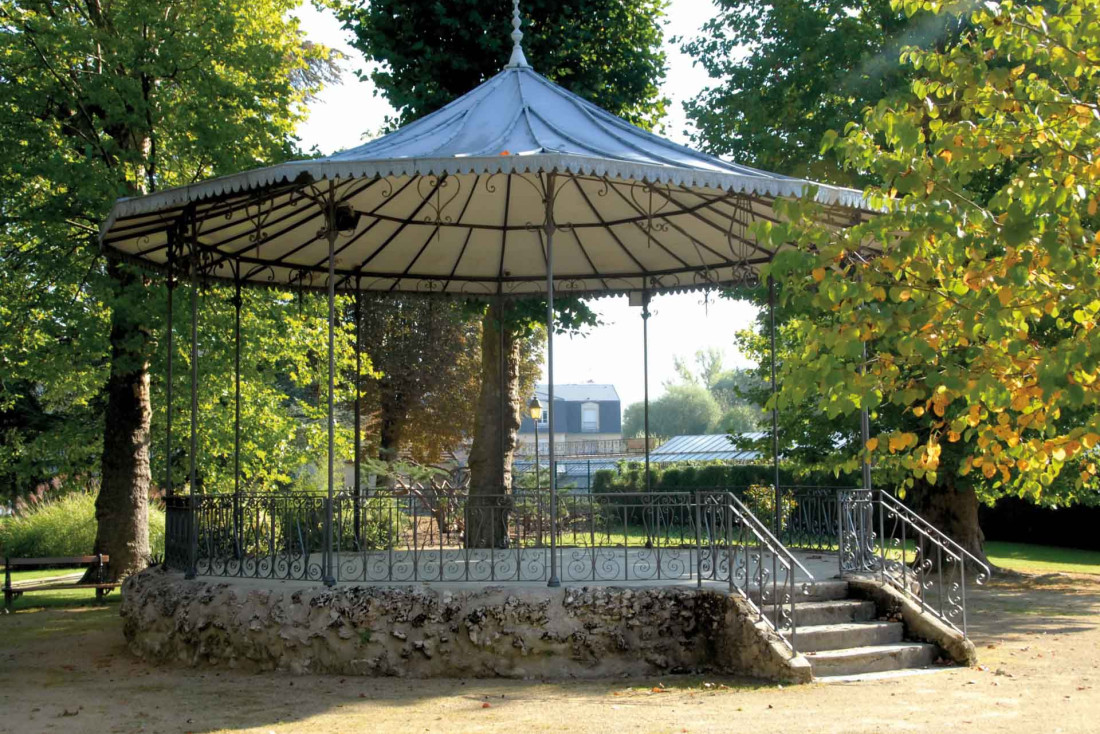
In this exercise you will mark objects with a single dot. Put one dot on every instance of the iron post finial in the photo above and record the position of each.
(517, 60)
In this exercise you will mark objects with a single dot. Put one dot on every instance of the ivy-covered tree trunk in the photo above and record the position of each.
(495, 427)
(954, 511)
(122, 506)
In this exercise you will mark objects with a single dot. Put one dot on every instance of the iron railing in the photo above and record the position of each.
(453, 535)
(881, 537)
(735, 546)
(809, 519)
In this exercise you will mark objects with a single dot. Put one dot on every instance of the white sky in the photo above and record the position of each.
(345, 115)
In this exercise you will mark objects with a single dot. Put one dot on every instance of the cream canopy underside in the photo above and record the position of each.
(455, 203)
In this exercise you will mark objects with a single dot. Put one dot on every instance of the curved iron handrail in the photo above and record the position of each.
(862, 538)
(939, 535)
(740, 557)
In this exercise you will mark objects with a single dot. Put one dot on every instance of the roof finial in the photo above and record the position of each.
(518, 59)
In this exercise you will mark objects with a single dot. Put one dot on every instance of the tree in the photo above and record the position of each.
(116, 100)
(708, 368)
(607, 51)
(429, 53)
(683, 410)
(811, 442)
(736, 391)
(810, 67)
(283, 384)
(425, 387)
(512, 334)
(979, 314)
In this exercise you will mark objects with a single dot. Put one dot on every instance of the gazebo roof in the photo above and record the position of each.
(454, 202)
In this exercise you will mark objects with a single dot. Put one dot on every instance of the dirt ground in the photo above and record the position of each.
(1038, 638)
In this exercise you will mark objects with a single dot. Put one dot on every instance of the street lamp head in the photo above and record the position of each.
(534, 409)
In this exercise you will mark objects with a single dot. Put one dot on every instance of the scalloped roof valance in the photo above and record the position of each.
(455, 203)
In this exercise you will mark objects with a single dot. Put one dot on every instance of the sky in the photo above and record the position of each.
(347, 114)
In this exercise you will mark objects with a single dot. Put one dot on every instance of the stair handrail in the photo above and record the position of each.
(782, 619)
(939, 535)
(772, 540)
(951, 608)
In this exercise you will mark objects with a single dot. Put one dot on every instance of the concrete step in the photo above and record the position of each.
(838, 611)
(871, 659)
(830, 590)
(846, 635)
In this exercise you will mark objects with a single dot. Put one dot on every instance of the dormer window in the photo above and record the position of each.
(590, 418)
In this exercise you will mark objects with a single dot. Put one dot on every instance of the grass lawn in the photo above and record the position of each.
(1029, 558)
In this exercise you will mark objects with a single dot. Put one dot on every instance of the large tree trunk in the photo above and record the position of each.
(122, 507)
(392, 417)
(494, 432)
(953, 511)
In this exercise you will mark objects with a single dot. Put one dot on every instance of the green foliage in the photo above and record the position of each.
(64, 526)
(787, 71)
(284, 377)
(122, 99)
(809, 438)
(682, 410)
(760, 499)
(685, 403)
(980, 312)
(752, 483)
(687, 476)
(425, 387)
(428, 53)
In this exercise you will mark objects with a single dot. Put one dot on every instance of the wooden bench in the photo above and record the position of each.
(13, 591)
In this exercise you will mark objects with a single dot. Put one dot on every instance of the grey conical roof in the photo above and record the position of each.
(451, 203)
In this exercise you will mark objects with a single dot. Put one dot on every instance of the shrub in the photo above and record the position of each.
(64, 526)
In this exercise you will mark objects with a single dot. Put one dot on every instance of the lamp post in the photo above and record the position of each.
(534, 409)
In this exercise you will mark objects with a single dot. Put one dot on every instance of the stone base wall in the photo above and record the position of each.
(420, 631)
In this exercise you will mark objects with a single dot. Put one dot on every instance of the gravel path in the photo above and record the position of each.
(1038, 638)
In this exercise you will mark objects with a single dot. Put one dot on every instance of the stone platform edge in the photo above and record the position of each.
(423, 632)
(919, 625)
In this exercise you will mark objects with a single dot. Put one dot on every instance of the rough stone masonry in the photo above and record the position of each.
(421, 631)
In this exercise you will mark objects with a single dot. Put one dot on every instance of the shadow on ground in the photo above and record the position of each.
(1038, 639)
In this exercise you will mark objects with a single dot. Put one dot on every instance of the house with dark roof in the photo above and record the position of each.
(585, 413)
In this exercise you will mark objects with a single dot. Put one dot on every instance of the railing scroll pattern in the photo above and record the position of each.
(454, 534)
(881, 537)
(735, 546)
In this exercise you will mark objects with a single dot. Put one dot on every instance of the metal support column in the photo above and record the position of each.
(503, 377)
(645, 382)
(775, 411)
(192, 565)
(237, 516)
(357, 410)
(865, 430)
(331, 233)
(168, 490)
(548, 228)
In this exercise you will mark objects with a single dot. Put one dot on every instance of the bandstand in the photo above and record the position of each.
(517, 190)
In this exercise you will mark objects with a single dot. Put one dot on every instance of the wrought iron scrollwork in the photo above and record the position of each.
(442, 531)
(880, 536)
(742, 273)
